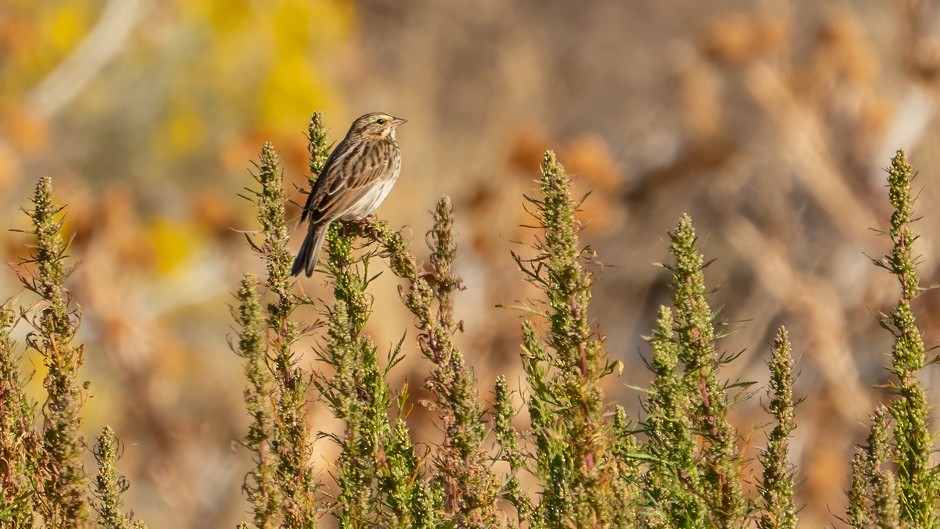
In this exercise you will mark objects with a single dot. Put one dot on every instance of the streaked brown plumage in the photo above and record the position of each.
(355, 179)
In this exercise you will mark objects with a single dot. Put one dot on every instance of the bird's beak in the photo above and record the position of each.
(398, 121)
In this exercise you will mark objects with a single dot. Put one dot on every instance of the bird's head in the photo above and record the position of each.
(376, 125)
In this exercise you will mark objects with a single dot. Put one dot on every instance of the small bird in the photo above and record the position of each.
(355, 179)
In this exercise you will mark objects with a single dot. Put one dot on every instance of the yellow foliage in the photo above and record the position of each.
(268, 58)
(182, 133)
(225, 16)
(65, 26)
(293, 87)
(174, 243)
(292, 23)
(200, 71)
(338, 17)
(294, 84)
(36, 37)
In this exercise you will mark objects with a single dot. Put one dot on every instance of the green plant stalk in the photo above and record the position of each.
(402, 478)
(410, 498)
(109, 486)
(626, 488)
(510, 442)
(18, 442)
(673, 483)
(317, 148)
(918, 484)
(290, 444)
(65, 504)
(260, 486)
(696, 339)
(356, 393)
(873, 497)
(777, 485)
(399, 472)
(566, 406)
(555, 508)
(469, 485)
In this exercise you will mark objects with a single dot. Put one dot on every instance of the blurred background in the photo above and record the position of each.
(768, 122)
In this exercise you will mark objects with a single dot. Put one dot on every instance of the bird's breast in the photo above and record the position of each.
(372, 198)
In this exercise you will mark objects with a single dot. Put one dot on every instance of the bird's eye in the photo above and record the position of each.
(380, 121)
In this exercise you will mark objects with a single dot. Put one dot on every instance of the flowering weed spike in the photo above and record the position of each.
(109, 485)
(901, 259)
(18, 441)
(673, 483)
(573, 436)
(407, 494)
(463, 473)
(316, 145)
(270, 200)
(510, 448)
(918, 484)
(696, 340)
(55, 327)
(377, 470)
(873, 498)
(42, 482)
(693, 316)
(290, 446)
(777, 508)
(260, 487)
(470, 487)
(627, 487)
(909, 495)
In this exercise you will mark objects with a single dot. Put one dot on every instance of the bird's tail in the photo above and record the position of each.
(309, 251)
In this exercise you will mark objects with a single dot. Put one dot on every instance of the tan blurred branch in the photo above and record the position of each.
(818, 304)
(804, 145)
(101, 44)
(913, 113)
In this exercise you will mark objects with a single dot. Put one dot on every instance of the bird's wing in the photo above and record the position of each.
(323, 183)
(352, 175)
